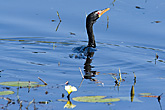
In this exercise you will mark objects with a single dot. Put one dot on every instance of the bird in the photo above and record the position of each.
(90, 20)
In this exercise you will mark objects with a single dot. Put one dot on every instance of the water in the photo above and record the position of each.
(31, 48)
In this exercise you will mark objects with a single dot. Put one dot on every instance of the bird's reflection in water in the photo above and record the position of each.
(88, 68)
(86, 53)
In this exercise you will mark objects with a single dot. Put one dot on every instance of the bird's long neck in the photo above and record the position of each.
(91, 38)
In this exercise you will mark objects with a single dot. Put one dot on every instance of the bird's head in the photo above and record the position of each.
(92, 17)
(90, 20)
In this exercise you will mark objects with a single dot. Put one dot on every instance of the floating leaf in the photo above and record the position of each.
(95, 99)
(22, 84)
(144, 94)
(62, 100)
(147, 95)
(6, 92)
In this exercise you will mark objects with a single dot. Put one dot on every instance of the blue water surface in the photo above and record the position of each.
(32, 47)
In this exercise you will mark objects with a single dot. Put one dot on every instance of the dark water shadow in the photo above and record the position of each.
(82, 52)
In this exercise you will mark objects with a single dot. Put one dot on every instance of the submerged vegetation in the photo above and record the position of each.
(19, 85)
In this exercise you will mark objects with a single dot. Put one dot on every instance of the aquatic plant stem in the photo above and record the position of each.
(42, 81)
(30, 103)
(81, 73)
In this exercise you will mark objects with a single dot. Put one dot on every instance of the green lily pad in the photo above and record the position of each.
(144, 94)
(6, 92)
(22, 84)
(95, 99)
(62, 100)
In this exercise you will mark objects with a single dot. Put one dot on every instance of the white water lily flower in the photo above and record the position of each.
(70, 89)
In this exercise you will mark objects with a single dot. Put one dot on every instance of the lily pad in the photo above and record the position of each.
(6, 92)
(144, 94)
(62, 100)
(95, 99)
(22, 84)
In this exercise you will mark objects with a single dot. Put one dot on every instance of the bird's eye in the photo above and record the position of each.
(98, 13)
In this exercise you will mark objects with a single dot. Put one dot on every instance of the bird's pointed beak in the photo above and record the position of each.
(103, 11)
